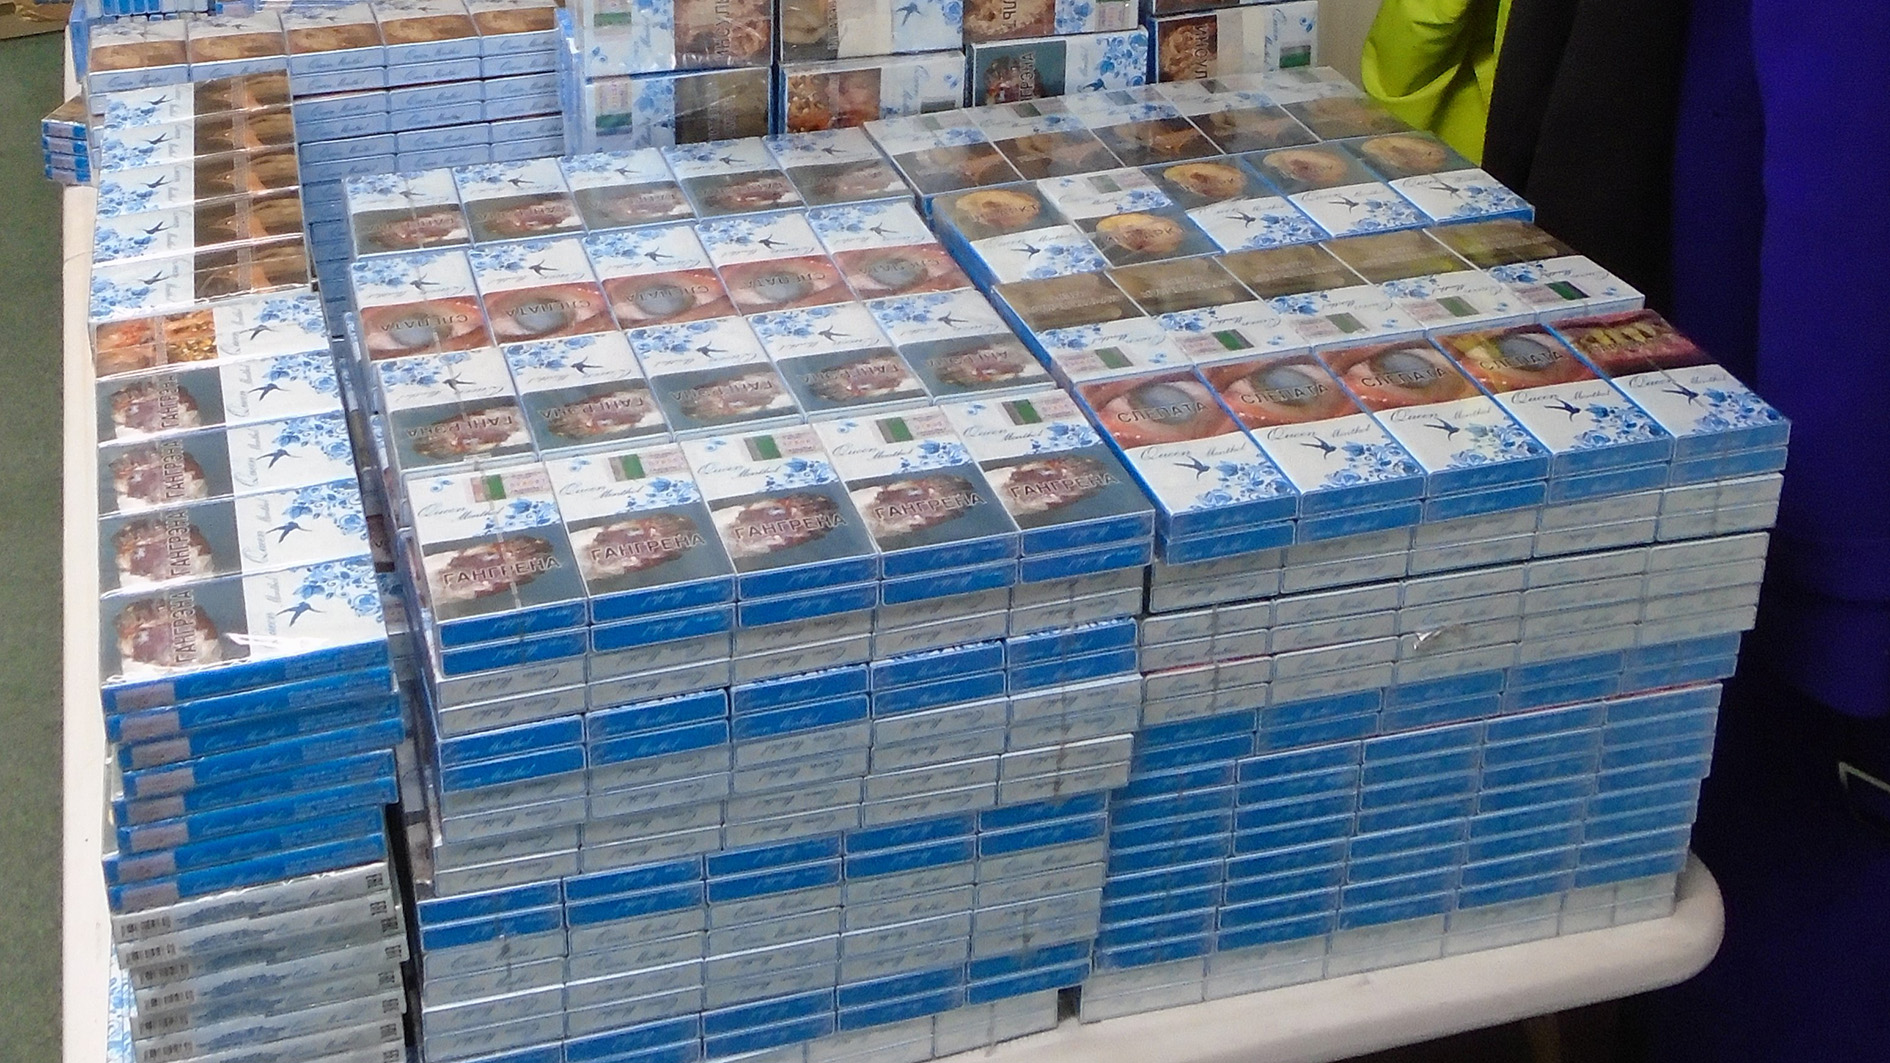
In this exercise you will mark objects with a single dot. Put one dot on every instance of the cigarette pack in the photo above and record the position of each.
(1041, 138)
(1706, 408)
(657, 275)
(539, 290)
(1320, 297)
(1128, 216)
(643, 38)
(583, 392)
(209, 225)
(141, 475)
(224, 537)
(619, 189)
(925, 502)
(1030, 68)
(172, 185)
(1442, 184)
(228, 44)
(1429, 282)
(419, 303)
(1234, 40)
(837, 166)
(509, 27)
(641, 533)
(837, 361)
(1335, 189)
(1229, 202)
(782, 512)
(163, 285)
(496, 559)
(731, 177)
(1543, 272)
(885, 249)
(941, 152)
(1012, 233)
(405, 212)
(709, 376)
(1080, 354)
(214, 394)
(1584, 421)
(1462, 438)
(132, 146)
(509, 201)
(135, 54)
(958, 344)
(658, 110)
(846, 29)
(445, 410)
(772, 262)
(844, 93)
(995, 20)
(325, 39)
(1203, 473)
(426, 31)
(226, 634)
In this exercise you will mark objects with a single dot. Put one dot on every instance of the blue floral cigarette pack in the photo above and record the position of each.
(958, 344)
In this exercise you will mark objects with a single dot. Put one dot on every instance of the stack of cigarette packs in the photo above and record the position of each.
(249, 635)
(1198, 39)
(65, 139)
(837, 635)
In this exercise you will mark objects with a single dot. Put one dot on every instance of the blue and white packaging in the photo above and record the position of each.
(1708, 411)
(642, 536)
(1336, 190)
(426, 31)
(712, 376)
(224, 45)
(404, 212)
(140, 475)
(1006, 71)
(958, 344)
(782, 512)
(885, 249)
(583, 392)
(1462, 438)
(815, 30)
(538, 289)
(135, 54)
(1127, 216)
(619, 189)
(338, 37)
(1203, 473)
(516, 200)
(657, 274)
(831, 166)
(736, 176)
(496, 559)
(419, 303)
(658, 110)
(941, 152)
(238, 632)
(1321, 298)
(672, 35)
(772, 262)
(1012, 233)
(1054, 474)
(508, 28)
(455, 409)
(924, 500)
(1429, 282)
(257, 533)
(1442, 184)
(227, 393)
(845, 93)
(1582, 419)
(1542, 271)
(838, 362)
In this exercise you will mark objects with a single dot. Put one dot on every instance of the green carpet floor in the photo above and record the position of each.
(30, 72)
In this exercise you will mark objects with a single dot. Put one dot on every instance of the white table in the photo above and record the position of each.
(1329, 1020)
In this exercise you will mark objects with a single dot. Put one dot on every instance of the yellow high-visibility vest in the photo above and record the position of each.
(1433, 64)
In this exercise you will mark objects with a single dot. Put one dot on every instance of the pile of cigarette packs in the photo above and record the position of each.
(867, 585)
(65, 139)
(249, 641)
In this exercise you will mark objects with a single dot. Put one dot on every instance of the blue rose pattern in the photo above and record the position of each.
(1365, 463)
(349, 581)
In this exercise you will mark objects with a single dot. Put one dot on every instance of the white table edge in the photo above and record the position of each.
(1319, 1021)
